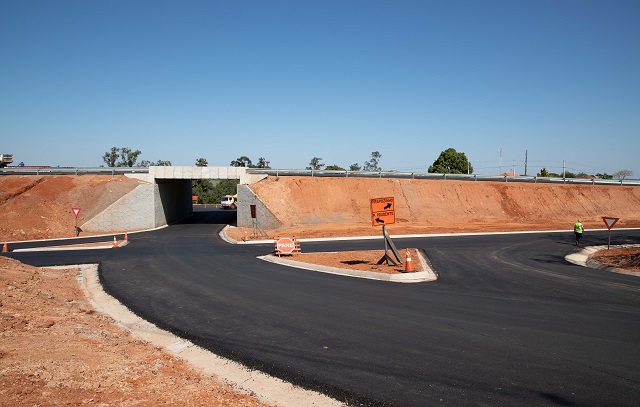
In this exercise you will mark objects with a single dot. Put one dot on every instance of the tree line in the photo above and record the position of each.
(449, 161)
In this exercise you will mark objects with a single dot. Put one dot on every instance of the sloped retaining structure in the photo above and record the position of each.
(264, 218)
(148, 206)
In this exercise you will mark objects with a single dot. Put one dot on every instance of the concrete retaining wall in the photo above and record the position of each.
(147, 206)
(264, 217)
(134, 211)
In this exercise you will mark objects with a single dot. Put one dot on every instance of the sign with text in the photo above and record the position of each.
(609, 221)
(383, 211)
(285, 245)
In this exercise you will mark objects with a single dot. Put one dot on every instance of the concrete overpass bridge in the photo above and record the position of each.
(164, 197)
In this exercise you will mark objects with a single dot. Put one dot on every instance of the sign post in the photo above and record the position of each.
(383, 213)
(254, 220)
(609, 221)
(76, 211)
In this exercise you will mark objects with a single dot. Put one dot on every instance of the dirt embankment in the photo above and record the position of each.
(317, 207)
(39, 207)
(56, 350)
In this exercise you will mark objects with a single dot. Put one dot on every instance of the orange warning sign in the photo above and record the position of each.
(383, 211)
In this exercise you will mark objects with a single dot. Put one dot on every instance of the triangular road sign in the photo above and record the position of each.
(609, 221)
(76, 211)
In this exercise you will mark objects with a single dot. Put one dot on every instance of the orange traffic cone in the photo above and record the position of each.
(115, 242)
(5, 248)
(408, 264)
(126, 238)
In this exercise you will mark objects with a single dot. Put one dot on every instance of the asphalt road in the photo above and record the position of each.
(508, 322)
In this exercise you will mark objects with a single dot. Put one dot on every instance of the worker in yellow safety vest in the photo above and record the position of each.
(578, 229)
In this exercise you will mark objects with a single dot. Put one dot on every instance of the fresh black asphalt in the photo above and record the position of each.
(509, 322)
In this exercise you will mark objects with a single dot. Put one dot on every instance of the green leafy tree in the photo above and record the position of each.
(451, 162)
(111, 157)
(372, 164)
(604, 176)
(354, 167)
(121, 157)
(262, 163)
(334, 168)
(315, 164)
(128, 157)
(223, 187)
(159, 163)
(543, 173)
(243, 161)
(202, 188)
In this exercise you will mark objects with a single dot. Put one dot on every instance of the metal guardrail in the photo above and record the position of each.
(327, 173)
(72, 171)
(434, 176)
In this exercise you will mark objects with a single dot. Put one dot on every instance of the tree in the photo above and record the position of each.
(604, 176)
(243, 161)
(202, 187)
(354, 167)
(111, 157)
(224, 187)
(315, 164)
(622, 174)
(372, 164)
(128, 157)
(334, 168)
(262, 163)
(159, 163)
(121, 157)
(451, 162)
(543, 173)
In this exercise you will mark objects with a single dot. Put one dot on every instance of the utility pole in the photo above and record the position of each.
(526, 154)
(514, 168)
(564, 169)
(500, 162)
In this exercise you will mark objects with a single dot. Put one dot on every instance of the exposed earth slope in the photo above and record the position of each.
(39, 207)
(316, 207)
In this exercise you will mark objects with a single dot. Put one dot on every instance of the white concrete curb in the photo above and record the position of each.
(583, 258)
(224, 236)
(417, 277)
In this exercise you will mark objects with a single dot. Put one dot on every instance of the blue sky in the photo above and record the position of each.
(293, 80)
